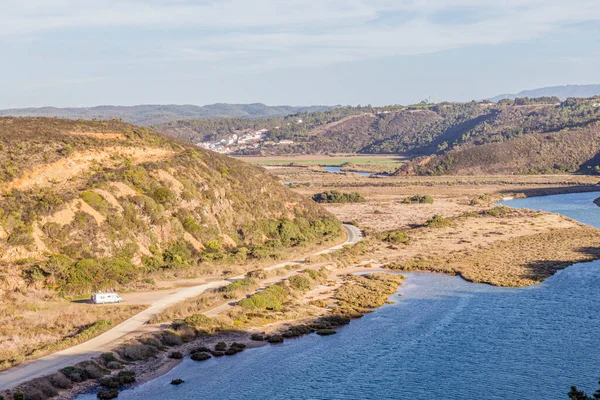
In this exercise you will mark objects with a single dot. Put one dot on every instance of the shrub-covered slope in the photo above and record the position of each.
(419, 130)
(94, 205)
(570, 150)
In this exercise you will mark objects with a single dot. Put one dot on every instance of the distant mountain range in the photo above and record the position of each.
(148, 115)
(562, 92)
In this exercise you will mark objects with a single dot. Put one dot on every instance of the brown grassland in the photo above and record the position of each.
(482, 242)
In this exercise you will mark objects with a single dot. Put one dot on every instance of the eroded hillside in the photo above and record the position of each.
(97, 205)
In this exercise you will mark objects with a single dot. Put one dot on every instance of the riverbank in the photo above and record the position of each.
(303, 310)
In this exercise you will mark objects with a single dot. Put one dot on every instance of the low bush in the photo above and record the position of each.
(329, 321)
(107, 358)
(271, 298)
(233, 290)
(200, 356)
(275, 339)
(497, 211)
(137, 351)
(418, 199)
(114, 365)
(257, 337)
(116, 381)
(396, 237)
(221, 346)
(321, 303)
(176, 355)
(437, 221)
(300, 282)
(60, 381)
(19, 396)
(126, 377)
(334, 196)
(93, 370)
(296, 331)
(170, 338)
(235, 348)
(325, 332)
(108, 394)
(75, 374)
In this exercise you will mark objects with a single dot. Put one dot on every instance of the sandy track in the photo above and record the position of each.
(111, 338)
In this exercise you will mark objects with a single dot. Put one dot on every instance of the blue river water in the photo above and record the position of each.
(445, 338)
(338, 170)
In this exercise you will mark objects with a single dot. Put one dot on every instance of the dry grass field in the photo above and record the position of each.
(484, 243)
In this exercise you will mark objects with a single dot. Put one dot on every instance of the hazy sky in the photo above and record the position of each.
(297, 52)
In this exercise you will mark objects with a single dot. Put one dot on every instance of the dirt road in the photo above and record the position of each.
(101, 343)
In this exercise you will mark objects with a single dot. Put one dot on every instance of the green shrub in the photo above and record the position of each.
(437, 221)
(108, 394)
(200, 356)
(300, 282)
(269, 299)
(163, 195)
(418, 199)
(108, 357)
(396, 237)
(19, 396)
(199, 321)
(95, 201)
(325, 332)
(170, 338)
(60, 381)
(176, 355)
(314, 275)
(137, 351)
(334, 196)
(75, 374)
(497, 211)
(221, 346)
(275, 339)
(241, 284)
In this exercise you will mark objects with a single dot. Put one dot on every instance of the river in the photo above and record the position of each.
(338, 170)
(445, 338)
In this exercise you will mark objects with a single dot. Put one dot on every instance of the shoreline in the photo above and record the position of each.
(163, 364)
(158, 365)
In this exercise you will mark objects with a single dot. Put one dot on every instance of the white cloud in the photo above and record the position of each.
(284, 33)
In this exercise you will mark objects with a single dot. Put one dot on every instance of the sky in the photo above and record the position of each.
(74, 53)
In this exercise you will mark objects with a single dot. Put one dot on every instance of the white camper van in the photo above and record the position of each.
(102, 298)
